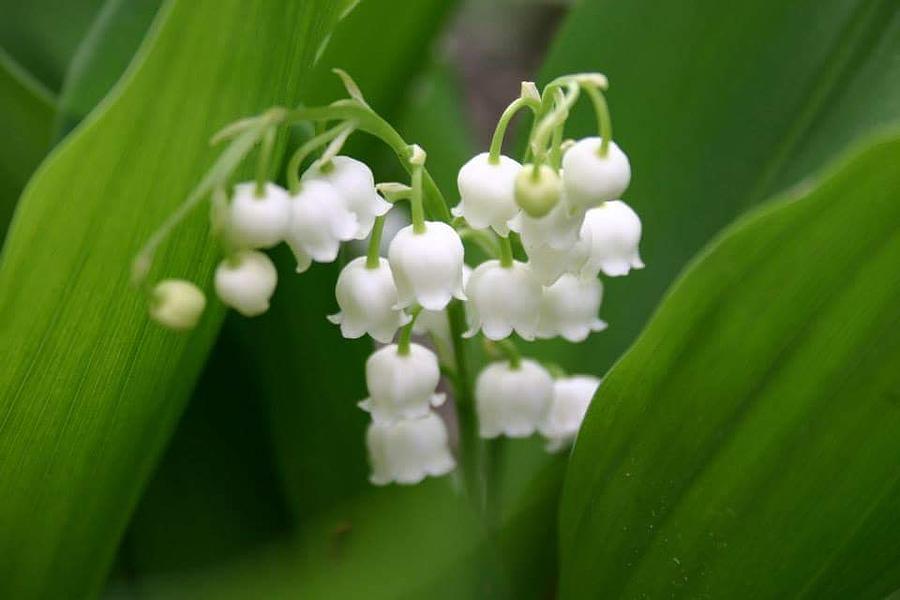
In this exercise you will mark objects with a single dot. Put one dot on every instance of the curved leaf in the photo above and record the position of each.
(719, 106)
(746, 446)
(90, 387)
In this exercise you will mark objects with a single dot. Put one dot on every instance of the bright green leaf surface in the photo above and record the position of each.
(746, 446)
(26, 123)
(90, 387)
(719, 105)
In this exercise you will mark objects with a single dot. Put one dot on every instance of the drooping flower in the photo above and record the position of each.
(503, 300)
(355, 184)
(569, 308)
(435, 322)
(401, 386)
(367, 297)
(177, 304)
(245, 281)
(558, 229)
(408, 450)
(427, 266)
(512, 401)
(549, 264)
(257, 221)
(591, 179)
(487, 192)
(571, 398)
(319, 223)
(611, 233)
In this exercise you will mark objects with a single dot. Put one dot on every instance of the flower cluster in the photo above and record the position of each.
(550, 226)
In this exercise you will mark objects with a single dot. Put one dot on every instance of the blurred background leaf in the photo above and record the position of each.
(26, 124)
(746, 446)
(719, 105)
(91, 388)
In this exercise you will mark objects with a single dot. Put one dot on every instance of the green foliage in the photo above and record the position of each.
(745, 447)
(719, 105)
(90, 387)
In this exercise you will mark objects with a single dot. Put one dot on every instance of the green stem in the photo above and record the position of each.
(373, 256)
(604, 121)
(418, 208)
(405, 338)
(264, 161)
(484, 240)
(506, 253)
(500, 131)
(511, 351)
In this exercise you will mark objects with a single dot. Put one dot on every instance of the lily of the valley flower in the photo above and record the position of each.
(409, 450)
(558, 229)
(427, 266)
(487, 192)
(319, 222)
(367, 297)
(571, 398)
(257, 221)
(435, 322)
(512, 401)
(611, 234)
(591, 179)
(177, 304)
(503, 300)
(401, 385)
(355, 184)
(549, 264)
(569, 308)
(245, 281)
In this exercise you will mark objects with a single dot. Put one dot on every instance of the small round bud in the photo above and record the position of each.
(591, 179)
(245, 281)
(537, 191)
(255, 221)
(177, 304)
(487, 192)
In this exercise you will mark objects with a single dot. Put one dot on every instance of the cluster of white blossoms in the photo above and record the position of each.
(550, 226)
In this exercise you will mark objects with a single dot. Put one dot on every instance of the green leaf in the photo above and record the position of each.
(42, 34)
(746, 446)
(26, 122)
(719, 105)
(90, 387)
(102, 56)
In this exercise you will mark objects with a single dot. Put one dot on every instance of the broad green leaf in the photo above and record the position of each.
(42, 34)
(26, 123)
(719, 105)
(746, 445)
(90, 387)
(101, 57)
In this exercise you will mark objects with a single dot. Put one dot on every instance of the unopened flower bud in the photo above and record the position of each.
(320, 221)
(367, 297)
(569, 308)
(177, 304)
(409, 450)
(401, 386)
(611, 233)
(245, 281)
(253, 221)
(512, 401)
(537, 191)
(591, 179)
(355, 184)
(427, 266)
(571, 398)
(503, 300)
(487, 192)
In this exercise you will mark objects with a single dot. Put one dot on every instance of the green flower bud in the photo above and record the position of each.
(537, 192)
(177, 304)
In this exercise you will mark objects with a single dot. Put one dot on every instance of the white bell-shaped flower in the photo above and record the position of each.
(558, 229)
(177, 304)
(407, 451)
(503, 300)
(571, 398)
(435, 322)
(512, 401)
(487, 192)
(401, 386)
(245, 281)
(427, 266)
(549, 264)
(319, 223)
(367, 297)
(355, 183)
(611, 233)
(569, 308)
(590, 179)
(258, 222)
